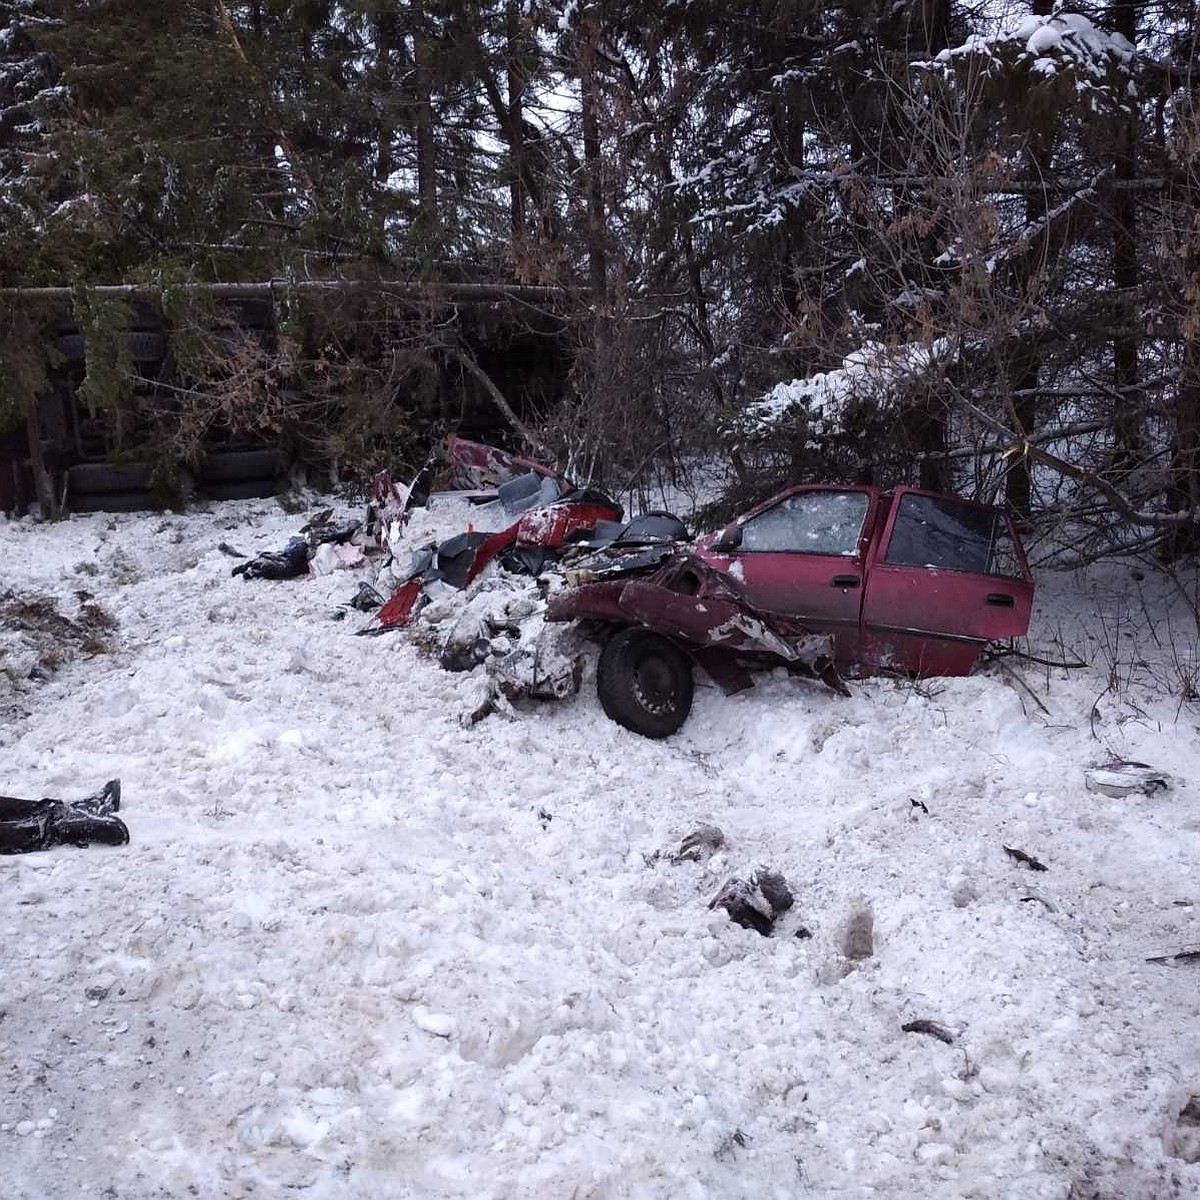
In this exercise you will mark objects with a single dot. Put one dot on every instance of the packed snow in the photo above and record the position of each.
(1064, 38)
(357, 948)
(872, 371)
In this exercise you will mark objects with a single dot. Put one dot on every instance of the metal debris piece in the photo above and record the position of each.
(1032, 863)
(1184, 956)
(753, 906)
(932, 1028)
(1122, 777)
(774, 887)
(366, 599)
(858, 938)
(698, 844)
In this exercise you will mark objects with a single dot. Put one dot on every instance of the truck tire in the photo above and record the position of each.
(147, 345)
(70, 346)
(115, 502)
(236, 466)
(239, 489)
(645, 682)
(101, 478)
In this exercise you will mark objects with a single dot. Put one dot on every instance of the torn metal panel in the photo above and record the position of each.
(475, 465)
(690, 602)
(403, 605)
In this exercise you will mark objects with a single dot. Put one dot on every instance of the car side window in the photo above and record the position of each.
(809, 523)
(950, 536)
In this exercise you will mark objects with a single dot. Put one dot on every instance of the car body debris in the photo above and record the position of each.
(1121, 777)
(1180, 959)
(826, 581)
(1024, 859)
(756, 902)
(932, 1028)
(701, 843)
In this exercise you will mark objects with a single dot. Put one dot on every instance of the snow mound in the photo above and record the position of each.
(354, 949)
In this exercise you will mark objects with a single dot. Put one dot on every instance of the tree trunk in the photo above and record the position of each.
(1183, 492)
(43, 485)
(516, 150)
(1024, 364)
(1127, 407)
(427, 196)
(588, 34)
(924, 421)
(386, 37)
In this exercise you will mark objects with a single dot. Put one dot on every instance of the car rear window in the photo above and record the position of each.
(809, 523)
(945, 534)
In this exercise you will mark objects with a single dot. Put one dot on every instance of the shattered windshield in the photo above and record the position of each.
(809, 523)
(945, 534)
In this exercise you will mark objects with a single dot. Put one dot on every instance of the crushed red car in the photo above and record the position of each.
(828, 581)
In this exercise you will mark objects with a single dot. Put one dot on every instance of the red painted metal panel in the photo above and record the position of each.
(936, 593)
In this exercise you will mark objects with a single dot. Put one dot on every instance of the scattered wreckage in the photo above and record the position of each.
(826, 581)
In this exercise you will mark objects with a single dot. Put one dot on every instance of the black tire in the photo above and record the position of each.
(645, 682)
(89, 479)
(147, 345)
(239, 489)
(115, 502)
(70, 346)
(234, 466)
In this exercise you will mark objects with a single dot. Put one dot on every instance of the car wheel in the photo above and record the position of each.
(645, 682)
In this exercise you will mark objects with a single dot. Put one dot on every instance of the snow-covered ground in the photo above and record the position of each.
(358, 950)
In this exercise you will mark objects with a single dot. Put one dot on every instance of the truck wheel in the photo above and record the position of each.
(115, 502)
(237, 466)
(89, 479)
(645, 682)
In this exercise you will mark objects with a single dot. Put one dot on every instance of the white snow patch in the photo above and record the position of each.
(354, 949)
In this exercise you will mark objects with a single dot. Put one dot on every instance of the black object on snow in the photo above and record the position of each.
(1184, 956)
(337, 535)
(775, 890)
(287, 563)
(319, 522)
(932, 1028)
(755, 903)
(526, 560)
(29, 825)
(1028, 859)
(456, 556)
(366, 599)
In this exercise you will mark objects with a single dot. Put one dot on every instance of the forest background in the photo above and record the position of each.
(926, 241)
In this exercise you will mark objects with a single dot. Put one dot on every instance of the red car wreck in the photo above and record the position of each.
(826, 580)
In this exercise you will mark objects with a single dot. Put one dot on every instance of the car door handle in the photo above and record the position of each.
(1000, 599)
(846, 581)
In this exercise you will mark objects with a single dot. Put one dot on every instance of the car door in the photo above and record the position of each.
(948, 577)
(802, 554)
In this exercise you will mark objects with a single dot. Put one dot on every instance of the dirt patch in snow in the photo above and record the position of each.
(36, 638)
